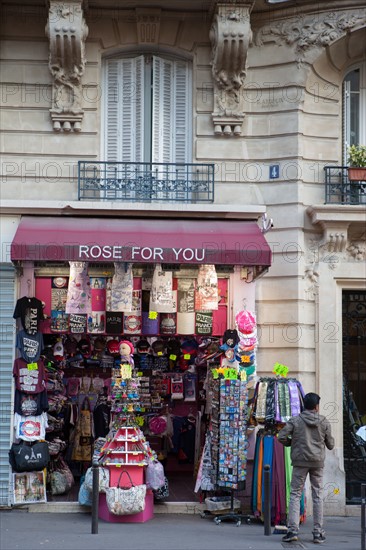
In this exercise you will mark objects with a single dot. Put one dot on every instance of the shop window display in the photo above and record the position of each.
(82, 349)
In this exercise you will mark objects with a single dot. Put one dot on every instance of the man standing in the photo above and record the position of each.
(308, 434)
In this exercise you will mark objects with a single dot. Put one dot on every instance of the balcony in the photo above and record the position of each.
(340, 190)
(145, 182)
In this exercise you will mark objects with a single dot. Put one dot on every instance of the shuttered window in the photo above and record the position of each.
(148, 110)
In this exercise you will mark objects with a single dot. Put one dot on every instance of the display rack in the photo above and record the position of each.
(126, 450)
(229, 443)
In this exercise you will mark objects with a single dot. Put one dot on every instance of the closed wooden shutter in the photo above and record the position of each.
(171, 111)
(124, 110)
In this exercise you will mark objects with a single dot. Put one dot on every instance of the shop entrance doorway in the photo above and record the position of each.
(354, 392)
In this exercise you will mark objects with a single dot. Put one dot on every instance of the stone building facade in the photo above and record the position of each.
(264, 100)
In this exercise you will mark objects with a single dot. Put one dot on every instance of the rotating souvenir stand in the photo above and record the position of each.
(229, 442)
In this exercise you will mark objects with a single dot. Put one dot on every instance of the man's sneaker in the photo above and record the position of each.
(290, 537)
(318, 538)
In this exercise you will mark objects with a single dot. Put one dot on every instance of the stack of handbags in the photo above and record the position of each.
(60, 477)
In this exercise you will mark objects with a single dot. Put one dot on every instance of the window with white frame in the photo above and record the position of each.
(148, 110)
(354, 108)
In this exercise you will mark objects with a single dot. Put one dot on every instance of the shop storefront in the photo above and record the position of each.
(170, 289)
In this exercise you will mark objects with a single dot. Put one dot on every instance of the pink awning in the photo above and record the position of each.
(141, 240)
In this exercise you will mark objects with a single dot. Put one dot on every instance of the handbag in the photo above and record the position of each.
(85, 496)
(29, 458)
(103, 479)
(58, 483)
(123, 501)
(62, 467)
(163, 492)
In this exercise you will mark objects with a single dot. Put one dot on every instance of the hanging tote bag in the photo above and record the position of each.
(103, 479)
(29, 458)
(124, 501)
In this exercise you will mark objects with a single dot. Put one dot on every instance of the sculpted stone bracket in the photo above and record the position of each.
(230, 36)
(67, 31)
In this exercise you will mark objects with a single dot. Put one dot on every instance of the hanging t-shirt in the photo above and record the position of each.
(29, 345)
(30, 404)
(30, 311)
(29, 377)
(30, 428)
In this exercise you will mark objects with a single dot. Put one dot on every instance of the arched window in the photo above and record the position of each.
(148, 110)
(354, 108)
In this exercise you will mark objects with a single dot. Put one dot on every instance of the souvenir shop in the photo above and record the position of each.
(136, 347)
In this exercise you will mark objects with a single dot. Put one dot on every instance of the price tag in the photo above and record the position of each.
(126, 372)
(140, 373)
(32, 366)
(160, 353)
(245, 359)
(215, 374)
(173, 357)
(230, 374)
(153, 314)
(187, 356)
(243, 375)
(280, 370)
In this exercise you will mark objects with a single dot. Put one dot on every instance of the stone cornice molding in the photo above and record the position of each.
(309, 31)
(230, 36)
(67, 31)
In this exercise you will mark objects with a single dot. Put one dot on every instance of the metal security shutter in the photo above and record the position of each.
(7, 327)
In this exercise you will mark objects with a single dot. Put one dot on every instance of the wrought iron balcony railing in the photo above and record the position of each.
(340, 190)
(145, 182)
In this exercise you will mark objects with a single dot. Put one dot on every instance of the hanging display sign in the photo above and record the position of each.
(204, 322)
(280, 370)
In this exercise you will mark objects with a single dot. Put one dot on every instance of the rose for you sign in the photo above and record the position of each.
(177, 241)
(141, 254)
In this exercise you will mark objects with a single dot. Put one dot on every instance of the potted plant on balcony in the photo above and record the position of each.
(357, 163)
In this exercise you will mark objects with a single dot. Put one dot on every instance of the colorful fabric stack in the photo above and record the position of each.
(268, 450)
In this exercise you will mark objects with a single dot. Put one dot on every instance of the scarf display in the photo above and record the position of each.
(276, 400)
(268, 450)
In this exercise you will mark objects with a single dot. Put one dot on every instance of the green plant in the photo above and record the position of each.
(357, 156)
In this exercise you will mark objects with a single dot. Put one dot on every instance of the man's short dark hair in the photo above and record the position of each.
(311, 400)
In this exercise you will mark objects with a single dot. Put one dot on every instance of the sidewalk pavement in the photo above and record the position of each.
(54, 531)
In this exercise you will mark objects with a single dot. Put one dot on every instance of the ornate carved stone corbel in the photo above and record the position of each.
(230, 37)
(67, 32)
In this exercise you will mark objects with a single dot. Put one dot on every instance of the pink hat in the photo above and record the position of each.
(245, 322)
